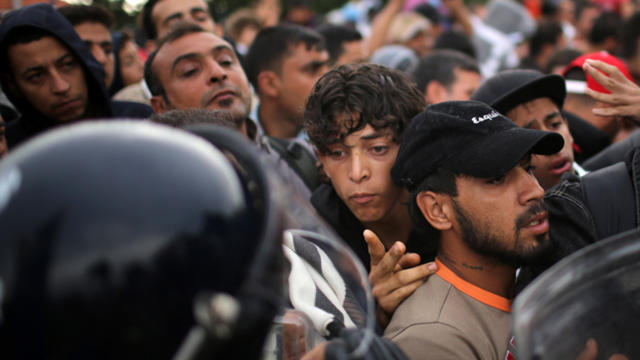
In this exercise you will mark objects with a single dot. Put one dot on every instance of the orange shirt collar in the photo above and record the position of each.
(484, 296)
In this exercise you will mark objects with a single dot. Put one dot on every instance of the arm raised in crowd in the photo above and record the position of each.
(394, 275)
(624, 99)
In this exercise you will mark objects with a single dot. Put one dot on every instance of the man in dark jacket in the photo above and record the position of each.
(355, 118)
(50, 75)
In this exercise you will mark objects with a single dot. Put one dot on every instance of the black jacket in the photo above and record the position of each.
(337, 214)
(585, 210)
(31, 121)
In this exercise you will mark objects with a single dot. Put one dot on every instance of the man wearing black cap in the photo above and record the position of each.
(475, 192)
(534, 101)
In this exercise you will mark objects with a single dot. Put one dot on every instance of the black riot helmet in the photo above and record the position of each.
(132, 240)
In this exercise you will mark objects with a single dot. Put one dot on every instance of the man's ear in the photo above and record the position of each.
(219, 30)
(323, 158)
(436, 209)
(268, 84)
(150, 46)
(434, 92)
(159, 104)
(11, 88)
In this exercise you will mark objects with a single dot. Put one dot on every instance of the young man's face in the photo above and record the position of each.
(167, 13)
(465, 83)
(503, 218)
(300, 70)
(50, 77)
(98, 39)
(360, 171)
(200, 70)
(355, 52)
(543, 114)
(131, 66)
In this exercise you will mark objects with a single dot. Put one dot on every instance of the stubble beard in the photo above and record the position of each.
(493, 245)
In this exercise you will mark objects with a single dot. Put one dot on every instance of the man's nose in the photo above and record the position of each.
(216, 72)
(359, 170)
(59, 84)
(530, 189)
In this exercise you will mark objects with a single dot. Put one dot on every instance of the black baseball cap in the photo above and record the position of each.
(510, 88)
(466, 137)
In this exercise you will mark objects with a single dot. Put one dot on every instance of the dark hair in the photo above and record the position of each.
(427, 10)
(79, 14)
(561, 57)
(442, 182)
(148, 26)
(439, 65)
(335, 36)
(273, 44)
(181, 30)
(604, 27)
(455, 40)
(239, 20)
(182, 117)
(547, 32)
(359, 94)
(125, 37)
(20, 35)
(629, 34)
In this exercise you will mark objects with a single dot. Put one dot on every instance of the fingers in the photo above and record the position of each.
(387, 265)
(408, 260)
(390, 302)
(385, 285)
(376, 248)
(590, 351)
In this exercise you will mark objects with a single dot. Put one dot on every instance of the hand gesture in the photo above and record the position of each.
(394, 275)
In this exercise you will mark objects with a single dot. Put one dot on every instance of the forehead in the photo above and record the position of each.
(165, 8)
(534, 109)
(302, 53)
(38, 52)
(194, 43)
(92, 30)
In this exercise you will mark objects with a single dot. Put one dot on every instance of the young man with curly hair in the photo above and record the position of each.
(355, 118)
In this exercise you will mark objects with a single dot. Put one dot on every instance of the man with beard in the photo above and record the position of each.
(475, 193)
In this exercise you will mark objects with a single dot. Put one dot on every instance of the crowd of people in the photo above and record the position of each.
(377, 182)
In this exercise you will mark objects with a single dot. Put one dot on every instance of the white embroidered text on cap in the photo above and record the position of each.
(491, 115)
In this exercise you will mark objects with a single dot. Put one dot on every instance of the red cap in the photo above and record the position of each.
(604, 57)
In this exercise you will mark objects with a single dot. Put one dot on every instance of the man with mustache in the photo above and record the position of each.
(475, 194)
(194, 68)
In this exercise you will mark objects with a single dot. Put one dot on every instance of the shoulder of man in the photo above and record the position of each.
(298, 157)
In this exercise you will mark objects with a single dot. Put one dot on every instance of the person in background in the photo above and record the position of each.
(344, 44)
(129, 67)
(446, 75)
(50, 75)
(93, 24)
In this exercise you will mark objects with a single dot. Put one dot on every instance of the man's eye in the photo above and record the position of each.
(336, 154)
(188, 72)
(108, 50)
(379, 149)
(225, 61)
(496, 180)
(35, 77)
(556, 124)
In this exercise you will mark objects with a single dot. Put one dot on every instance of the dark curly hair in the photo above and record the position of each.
(357, 95)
